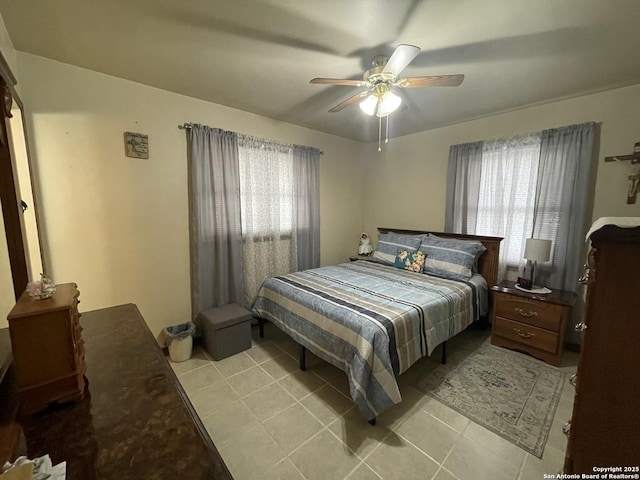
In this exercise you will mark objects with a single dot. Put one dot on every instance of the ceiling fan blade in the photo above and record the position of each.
(348, 101)
(431, 81)
(400, 58)
(339, 81)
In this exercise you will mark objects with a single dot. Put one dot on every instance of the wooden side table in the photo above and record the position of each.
(532, 323)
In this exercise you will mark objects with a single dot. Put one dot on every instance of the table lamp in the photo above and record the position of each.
(537, 250)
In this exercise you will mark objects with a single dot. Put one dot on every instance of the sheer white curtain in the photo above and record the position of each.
(280, 204)
(506, 204)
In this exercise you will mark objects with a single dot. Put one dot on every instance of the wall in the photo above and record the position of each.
(118, 226)
(406, 183)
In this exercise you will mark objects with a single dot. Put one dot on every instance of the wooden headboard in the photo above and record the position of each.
(488, 261)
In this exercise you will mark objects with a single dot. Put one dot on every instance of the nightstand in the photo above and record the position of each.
(353, 258)
(531, 323)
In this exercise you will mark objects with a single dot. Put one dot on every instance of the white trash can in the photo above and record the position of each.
(180, 349)
(179, 339)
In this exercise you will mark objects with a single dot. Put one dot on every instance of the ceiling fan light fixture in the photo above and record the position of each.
(388, 104)
(369, 104)
(380, 104)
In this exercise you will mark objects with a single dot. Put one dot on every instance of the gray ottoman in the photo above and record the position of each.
(226, 330)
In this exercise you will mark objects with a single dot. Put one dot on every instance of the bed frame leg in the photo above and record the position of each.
(372, 422)
(444, 353)
(303, 359)
(261, 327)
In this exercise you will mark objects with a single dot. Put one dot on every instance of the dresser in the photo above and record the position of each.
(604, 430)
(48, 350)
(532, 323)
(135, 420)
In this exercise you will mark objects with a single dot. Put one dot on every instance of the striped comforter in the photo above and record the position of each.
(370, 320)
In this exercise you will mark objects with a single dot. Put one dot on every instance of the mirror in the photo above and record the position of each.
(18, 193)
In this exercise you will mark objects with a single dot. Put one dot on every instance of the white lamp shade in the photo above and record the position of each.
(380, 105)
(368, 105)
(388, 104)
(537, 250)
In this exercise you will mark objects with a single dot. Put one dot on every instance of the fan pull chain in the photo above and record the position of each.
(386, 137)
(379, 134)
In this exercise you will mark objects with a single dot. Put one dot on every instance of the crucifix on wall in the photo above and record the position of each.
(634, 180)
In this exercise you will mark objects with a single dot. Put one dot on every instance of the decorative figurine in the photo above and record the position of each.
(365, 247)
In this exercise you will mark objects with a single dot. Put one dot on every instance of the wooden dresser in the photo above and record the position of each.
(135, 421)
(604, 430)
(531, 323)
(48, 350)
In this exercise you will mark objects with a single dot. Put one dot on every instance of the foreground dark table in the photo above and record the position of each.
(135, 421)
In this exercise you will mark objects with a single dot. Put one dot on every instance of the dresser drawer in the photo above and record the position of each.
(526, 334)
(534, 313)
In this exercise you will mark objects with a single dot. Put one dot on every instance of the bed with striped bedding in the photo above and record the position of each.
(370, 320)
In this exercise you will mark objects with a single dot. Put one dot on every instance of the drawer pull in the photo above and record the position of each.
(524, 314)
(580, 327)
(524, 335)
(566, 428)
(573, 379)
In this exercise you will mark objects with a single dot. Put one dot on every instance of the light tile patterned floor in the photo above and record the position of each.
(269, 420)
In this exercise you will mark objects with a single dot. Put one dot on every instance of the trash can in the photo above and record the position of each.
(179, 339)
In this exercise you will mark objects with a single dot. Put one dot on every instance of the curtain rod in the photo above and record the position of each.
(187, 126)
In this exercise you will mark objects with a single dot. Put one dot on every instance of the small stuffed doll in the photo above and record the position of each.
(365, 247)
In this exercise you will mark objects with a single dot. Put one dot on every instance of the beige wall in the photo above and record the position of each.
(118, 226)
(406, 184)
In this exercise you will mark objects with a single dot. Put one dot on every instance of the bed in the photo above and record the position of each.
(373, 319)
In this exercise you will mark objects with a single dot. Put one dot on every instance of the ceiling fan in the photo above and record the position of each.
(382, 78)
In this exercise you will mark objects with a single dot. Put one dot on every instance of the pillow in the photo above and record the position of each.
(481, 248)
(389, 244)
(410, 260)
(450, 258)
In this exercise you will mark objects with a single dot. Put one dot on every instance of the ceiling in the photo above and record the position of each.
(259, 55)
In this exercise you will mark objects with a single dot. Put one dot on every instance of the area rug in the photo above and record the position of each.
(509, 393)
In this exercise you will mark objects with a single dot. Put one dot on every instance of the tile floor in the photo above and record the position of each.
(269, 420)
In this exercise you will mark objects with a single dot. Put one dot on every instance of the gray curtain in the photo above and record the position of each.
(463, 187)
(562, 197)
(306, 184)
(214, 216)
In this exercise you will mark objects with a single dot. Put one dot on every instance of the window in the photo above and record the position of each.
(266, 192)
(533, 186)
(509, 170)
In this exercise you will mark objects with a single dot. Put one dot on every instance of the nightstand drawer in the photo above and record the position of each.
(526, 334)
(534, 313)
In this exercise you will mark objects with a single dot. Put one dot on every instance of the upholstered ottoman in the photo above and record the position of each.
(226, 330)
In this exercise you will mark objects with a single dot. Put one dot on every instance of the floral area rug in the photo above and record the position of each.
(509, 393)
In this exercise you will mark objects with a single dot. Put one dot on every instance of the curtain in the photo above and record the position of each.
(562, 198)
(306, 186)
(254, 213)
(215, 221)
(533, 186)
(505, 206)
(266, 185)
(463, 187)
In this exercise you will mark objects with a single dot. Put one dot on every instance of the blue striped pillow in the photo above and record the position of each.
(450, 258)
(389, 244)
